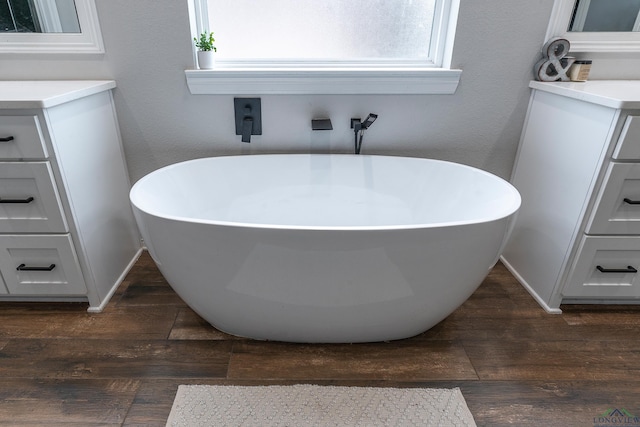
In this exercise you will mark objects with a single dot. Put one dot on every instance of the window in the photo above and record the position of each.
(597, 25)
(602, 15)
(329, 29)
(38, 16)
(49, 27)
(332, 46)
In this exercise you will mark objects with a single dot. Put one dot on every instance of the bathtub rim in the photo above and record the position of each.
(510, 211)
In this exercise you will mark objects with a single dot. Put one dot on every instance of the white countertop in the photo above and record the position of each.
(44, 94)
(610, 93)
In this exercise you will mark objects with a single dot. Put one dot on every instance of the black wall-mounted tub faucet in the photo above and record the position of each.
(248, 112)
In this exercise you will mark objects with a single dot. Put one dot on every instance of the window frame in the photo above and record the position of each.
(383, 76)
(588, 41)
(88, 41)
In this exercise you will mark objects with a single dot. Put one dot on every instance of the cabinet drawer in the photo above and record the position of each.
(29, 200)
(605, 268)
(40, 265)
(628, 146)
(617, 207)
(21, 138)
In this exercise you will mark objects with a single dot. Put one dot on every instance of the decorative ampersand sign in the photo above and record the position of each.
(554, 65)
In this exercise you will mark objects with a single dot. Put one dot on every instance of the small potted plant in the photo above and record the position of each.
(206, 49)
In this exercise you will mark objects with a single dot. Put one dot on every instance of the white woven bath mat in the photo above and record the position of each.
(311, 405)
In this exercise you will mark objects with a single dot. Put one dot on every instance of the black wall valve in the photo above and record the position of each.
(248, 113)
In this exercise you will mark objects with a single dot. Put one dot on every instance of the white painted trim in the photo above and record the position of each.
(118, 282)
(89, 41)
(529, 289)
(442, 20)
(452, 26)
(588, 41)
(581, 15)
(604, 42)
(286, 81)
(601, 301)
(48, 17)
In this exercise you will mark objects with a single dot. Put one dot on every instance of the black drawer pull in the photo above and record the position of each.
(23, 267)
(7, 139)
(27, 200)
(629, 269)
(631, 202)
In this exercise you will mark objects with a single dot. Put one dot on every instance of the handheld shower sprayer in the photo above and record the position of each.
(369, 120)
(359, 127)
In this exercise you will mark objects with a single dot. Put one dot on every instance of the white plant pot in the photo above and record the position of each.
(206, 59)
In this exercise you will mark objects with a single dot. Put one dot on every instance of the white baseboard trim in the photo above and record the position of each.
(529, 289)
(99, 308)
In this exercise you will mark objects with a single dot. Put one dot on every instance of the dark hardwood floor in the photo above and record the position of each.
(516, 364)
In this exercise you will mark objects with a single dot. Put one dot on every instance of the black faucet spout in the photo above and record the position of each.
(247, 128)
(321, 124)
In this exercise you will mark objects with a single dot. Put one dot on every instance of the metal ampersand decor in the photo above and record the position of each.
(555, 64)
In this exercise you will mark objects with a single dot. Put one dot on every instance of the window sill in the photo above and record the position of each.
(323, 81)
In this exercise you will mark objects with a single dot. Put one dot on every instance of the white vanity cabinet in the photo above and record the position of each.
(67, 232)
(577, 235)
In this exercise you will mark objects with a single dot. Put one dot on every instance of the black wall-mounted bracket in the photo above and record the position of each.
(248, 113)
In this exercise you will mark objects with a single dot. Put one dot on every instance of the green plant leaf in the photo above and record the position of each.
(205, 42)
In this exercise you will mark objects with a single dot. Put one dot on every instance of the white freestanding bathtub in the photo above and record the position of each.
(324, 248)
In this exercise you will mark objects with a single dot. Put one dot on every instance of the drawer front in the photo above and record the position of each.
(605, 268)
(29, 200)
(628, 146)
(21, 138)
(617, 207)
(40, 265)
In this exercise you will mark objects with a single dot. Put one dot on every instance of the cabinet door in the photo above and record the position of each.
(29, 200)
(617, 207)
(605, 268)
(40, 265)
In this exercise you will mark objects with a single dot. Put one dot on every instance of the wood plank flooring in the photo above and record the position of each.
(516, 364)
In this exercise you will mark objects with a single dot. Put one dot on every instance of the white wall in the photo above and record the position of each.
(148, 47)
